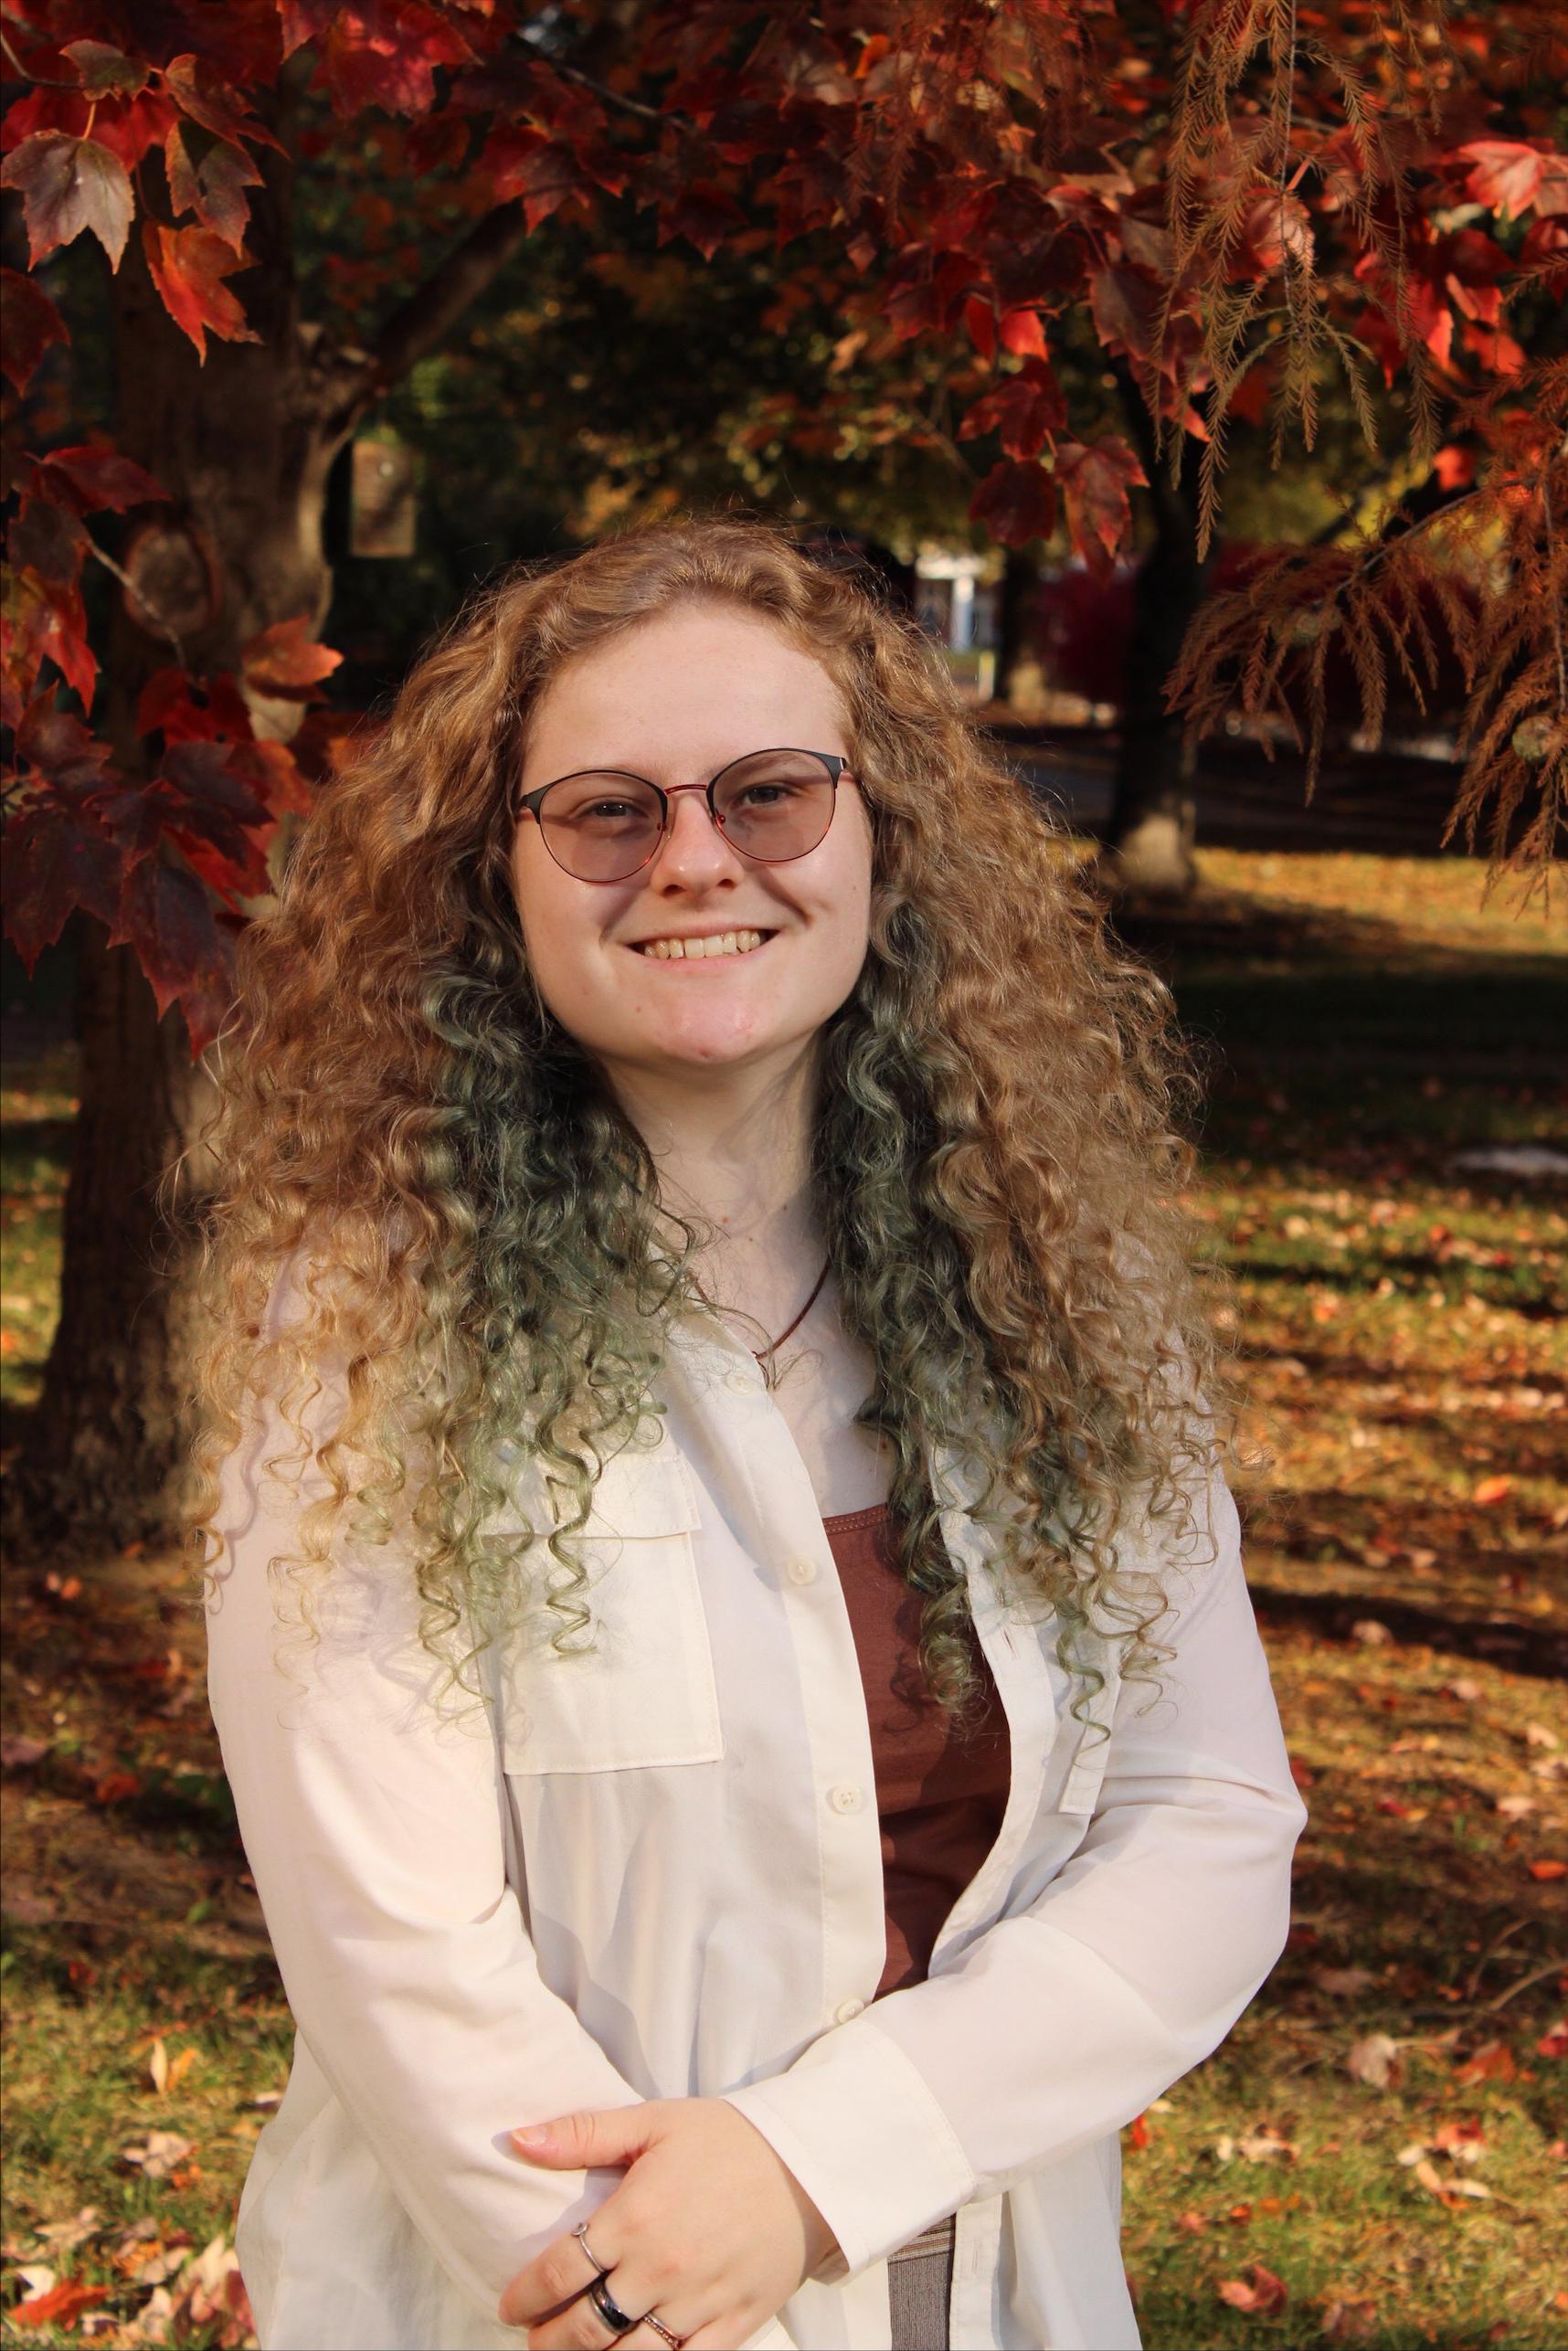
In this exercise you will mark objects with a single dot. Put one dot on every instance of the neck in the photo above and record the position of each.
(733, 1151)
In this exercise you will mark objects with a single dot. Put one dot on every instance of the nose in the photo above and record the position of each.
(693, 853)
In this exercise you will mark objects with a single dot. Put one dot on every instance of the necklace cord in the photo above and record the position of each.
(763, 1353)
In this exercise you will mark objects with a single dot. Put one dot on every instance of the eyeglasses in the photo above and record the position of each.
(603, 825)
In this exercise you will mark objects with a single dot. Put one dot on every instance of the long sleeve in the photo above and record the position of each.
(1061, 2023)
(372, 1821)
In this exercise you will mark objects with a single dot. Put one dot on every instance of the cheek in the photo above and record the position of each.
(558, 934)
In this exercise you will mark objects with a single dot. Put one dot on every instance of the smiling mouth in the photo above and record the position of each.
(702, 951)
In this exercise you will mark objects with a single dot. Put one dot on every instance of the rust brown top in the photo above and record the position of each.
(939, 1798)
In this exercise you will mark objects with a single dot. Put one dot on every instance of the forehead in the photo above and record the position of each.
(679, 694)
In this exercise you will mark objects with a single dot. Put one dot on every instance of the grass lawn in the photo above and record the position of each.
(1376, 2156)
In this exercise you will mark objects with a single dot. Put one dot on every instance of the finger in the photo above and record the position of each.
(581, 2328)
(557, 2275)
(614, 2135)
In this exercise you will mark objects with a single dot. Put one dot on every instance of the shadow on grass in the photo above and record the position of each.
(1540, 1651)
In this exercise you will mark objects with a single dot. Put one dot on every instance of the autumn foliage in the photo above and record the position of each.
(1253, 208)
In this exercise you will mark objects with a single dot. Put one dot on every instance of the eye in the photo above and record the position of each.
(772, 793)
(607, 812)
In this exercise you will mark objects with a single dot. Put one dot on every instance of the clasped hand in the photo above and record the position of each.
(709, 2230)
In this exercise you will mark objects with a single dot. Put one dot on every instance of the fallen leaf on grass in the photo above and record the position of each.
(61, 2307)
(1492, 2063)
(1553, 2042)
(60, 2236)
(163, 2151)
(116, 1787)
(1544, 1871)
(1371, 1633)
(1190, 2223)
(152, 2261)
(213, 2289)
(1492, 1489)
(1138, 2133)
(1349, 2322)
(1514, 1807)
(1373, 2060)
(168, 2073)
(1344, 1983)
(19, 1755)
(1259, 2291)
(1447, 2190)
(1256, 2147)
(1536, 1735)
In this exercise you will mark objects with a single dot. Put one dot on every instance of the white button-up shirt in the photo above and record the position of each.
(654, 1870)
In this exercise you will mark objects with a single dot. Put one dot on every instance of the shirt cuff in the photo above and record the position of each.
(854, 2122)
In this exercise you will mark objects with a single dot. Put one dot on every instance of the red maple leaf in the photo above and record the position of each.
(1016, 502)
(1023, 410)
(284, 660)
(1095, 483)
(94, 475)
(61, 2307)
(29, 322)
(375, 52)
(201, 92)
(68, 185)
(106, 71)
(210, 179)
(188, 267)
(1508, 177)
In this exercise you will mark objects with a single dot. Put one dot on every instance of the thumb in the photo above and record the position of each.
(614, 2135)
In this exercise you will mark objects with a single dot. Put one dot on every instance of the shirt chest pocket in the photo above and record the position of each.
(645, 1693)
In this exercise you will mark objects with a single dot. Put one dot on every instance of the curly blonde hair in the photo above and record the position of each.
(996, 1154)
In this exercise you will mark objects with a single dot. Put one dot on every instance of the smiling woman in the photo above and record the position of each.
(698, 1188)
(686, 832)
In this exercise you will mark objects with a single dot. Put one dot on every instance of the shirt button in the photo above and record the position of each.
(847, 2010)
(843, 1799)
(743, 1383)
(801, 1571)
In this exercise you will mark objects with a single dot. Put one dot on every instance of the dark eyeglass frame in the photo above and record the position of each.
(835, 762)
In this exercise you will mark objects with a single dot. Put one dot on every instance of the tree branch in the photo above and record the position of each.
(422, 324)
(601, 90)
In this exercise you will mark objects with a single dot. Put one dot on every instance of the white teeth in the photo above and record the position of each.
(730, 942)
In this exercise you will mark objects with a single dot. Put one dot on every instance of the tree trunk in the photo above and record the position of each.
(243, 445)
(1019, 679)
(1150, 839)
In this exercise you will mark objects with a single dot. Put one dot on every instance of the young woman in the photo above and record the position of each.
(727, 1629)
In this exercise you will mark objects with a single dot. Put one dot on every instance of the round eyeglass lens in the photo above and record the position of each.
(774, 804)
(601, 827)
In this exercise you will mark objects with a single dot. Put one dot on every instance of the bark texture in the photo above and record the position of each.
(1148, 841)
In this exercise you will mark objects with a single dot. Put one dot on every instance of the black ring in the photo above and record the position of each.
(609, 2309)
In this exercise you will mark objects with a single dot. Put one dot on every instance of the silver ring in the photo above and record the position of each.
(580, 2233)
